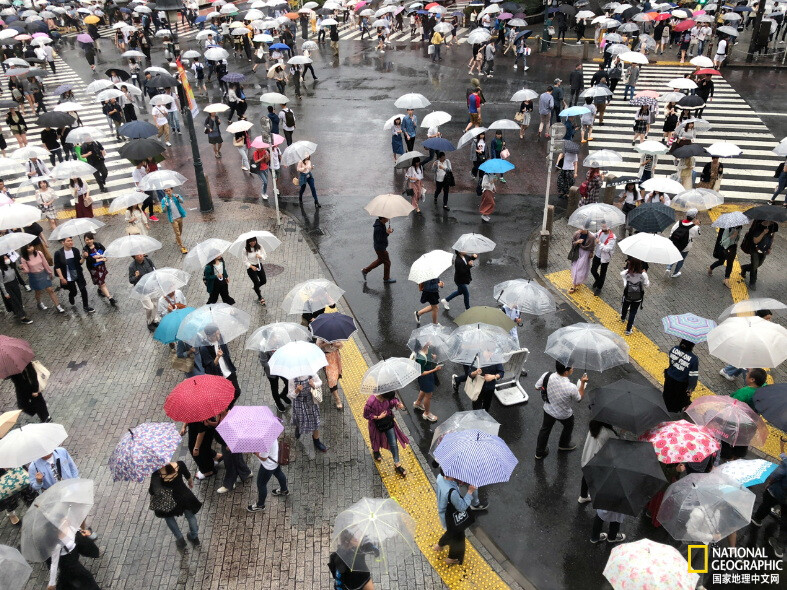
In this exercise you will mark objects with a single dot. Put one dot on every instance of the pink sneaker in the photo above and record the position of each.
(153, 218)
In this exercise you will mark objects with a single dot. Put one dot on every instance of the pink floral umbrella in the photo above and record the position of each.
(681, 442)
(647, 565)
(729, 420)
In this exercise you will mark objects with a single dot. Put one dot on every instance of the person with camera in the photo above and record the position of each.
(558, 392)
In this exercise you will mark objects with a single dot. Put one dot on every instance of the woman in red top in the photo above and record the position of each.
(261, 159)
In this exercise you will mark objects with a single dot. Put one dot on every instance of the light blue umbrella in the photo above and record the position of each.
(688, 326)
(167, 330)
(748, 472)
(475, 457)
(573, 111)
(496, 166)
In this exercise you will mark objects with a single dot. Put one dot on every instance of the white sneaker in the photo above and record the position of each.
(445, 303)
(485, 217)
(200, 475)
(60, 309)
(526, 68)
(515, 67)
(582, 500)
(224, 490)
(264, 197)
(676, 275)
(41, 306)
(169, 144)
(727, 377)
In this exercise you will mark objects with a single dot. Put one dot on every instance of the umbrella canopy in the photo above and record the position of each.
(749, 307)
(167, 330)
(628, 405)
(8, 420)
(30, 442)
(469, 136)
(131, 246)
(729, 420)
(595, 215)
(15, 354)
(141, 149)
(159, 282)
(747, 472)
(430, 266)
(771, 402)
(435, 119)
(298, 151)
(662, 184)
(265, 240)
(690, 151)
(439, 144)
(406, 159)
(374, 526)
(483, 314)
(55, 119)
(198, 398)
(239, 126)
(333, 327)
(767, 213)
(705, 507)
(524, 94)
(510, 124)
(475, 457)
(700, 199)
(217, 108)
(473, 244)
(749, 342)
(205, 253)
(602, 158)
(270, 98)
(724, 149)
(650, 248)
(127, 200)
(81, 135)
(143, 450)
(480, 344)
(412, 101)
(200, 326)
(682, 84)
(634, 57)
(17, 215)
(161, 179)
(389, 206)
(297, 359)
(701, 61)
(250, 429)
(75, 227)
(496, 166)
(525, 296)
(587, 346)
(688, 327)
(595, 91)
(681, 442)
(479, 35)
(432, 340)
(478, 420)
(310, 296)
(389, 374)
(623, 476)
(16, 570)
(273, 336)
(646, 565)
(56, 514)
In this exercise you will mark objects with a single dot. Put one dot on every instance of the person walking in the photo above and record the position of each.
(172, 205)
(140, 266)
(757, 243)
(10, 291)
(474, 102)
(569, 167)
(93, 253)
(279, 395)
(161, 119)
(489, 60)
(583, 244)
(410, 129)
(384, 432)
(213, 130)
(523, 116)
(415, 177)
(546, 103)
(605, 246)
(333, 370)
(39, 276)
(586, 120)
(355, 576)
(682, 235)
(171, 496)
(235, 467)
(598, 434)
(239, 141)
(216, 358)
(781, 175)
(680, 377)
(427, 380)
(51, 468)
(83, 201)
(397, 141)
(489, 374)
(631, 82)
(725, 250)
(46, 198)
(68, 267)
(305, 408)
(641, 124)
(253, 257)
(557, 98)
(217, 281)
(137, 221)
(380, 244)
(306, 176)
(712, 173)
(755, 378)
(444, 178)
(452, 506)
(775, 494)
(287, 122)
(488, 190)
(558, 392)
(29, 394)
(479, 150)
(635, 279)
(269, 467)
(430, 293)
(576, 81)
(463, 263)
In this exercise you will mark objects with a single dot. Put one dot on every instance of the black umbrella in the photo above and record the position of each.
(767, 213)
(770, 401)
(630, 406)
(37, 26)
(139, 149)
(333, 327)
(651, 218)
(162, 81)
(623, 180)
(55, 119)
(510, 7)
(629, 13)
(690, 150)
(9, 104)
(691, 101)
(567, 9)
(37, 73)
(120, 73)
(623, 476)
(138, 130)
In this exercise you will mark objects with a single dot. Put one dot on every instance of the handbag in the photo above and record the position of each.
(457, 521)
(505, 153)
(449, 178)
(87, 201)
(42, 373)
(284, 452)
(163, 500)
(132, 230)
(573, 254)
(519, 117)
(385, 423)
(317, 395)
(473, 387)
(185, 364)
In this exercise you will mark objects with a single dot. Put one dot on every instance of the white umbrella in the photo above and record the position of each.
(504, 124)
(135, 54)
(668, 97)
(329, 22)
(216, 54)
(468, 136)
(161, 100)
(310, 296)
(273, 336)
(10, 166)
(161, 281)
(517, 22)
(701, 61)
(28, 152)
(17, 215)
(30, 442)
(682, 84)
(587, 346)
(583, 14)
(780, 149)
(161, 179)
(430, 266)
(724, 149)
(412, 101)
(602, 158)
(16, 570)
(634, 57)
(297, 152)
(239, 126)
(127, 200)
(595, 91)
(297, 359)
(525, 296)
(389, 123)
(108, 94)
(473, 244)
(133, 90)
(680, 14)
(190, 54)
(524, 94)
(701, 199)
(404, 160)
(389, 206)
(749, 341)
(14, 240)
(200, 325)
(205, 252)
(71, 106)
(650, 248)
(447, 27)
(92, 88)
(389, 374)
(651, 147)
(479, 35)
(748, 307)
(662, 184)
(274, 98)
(75, 227)
(216, 108)
(265, 239)
(299, 60)
(594, 215)
(131, 246)
(435, 119)
(82, 134)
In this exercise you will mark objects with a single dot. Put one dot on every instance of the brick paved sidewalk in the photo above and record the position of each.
(108, 374)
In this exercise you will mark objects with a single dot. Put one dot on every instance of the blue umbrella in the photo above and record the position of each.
(742, 9)
(573, 111)
(439, 144)
(333, 327)
(126, 10)
(475, 457)
(200, 19)
(280, 46)
(524, 34)
(167, 330)
(688, 326)
(496, 166)
(233, 77)
(138, 130)
(748, 472)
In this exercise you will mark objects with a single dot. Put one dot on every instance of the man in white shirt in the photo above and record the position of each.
(560, 393)
(287, 122)
(269, 467)
(702, 36)
(605, 246)
(172, 112)
(171, 302)
(162, 123)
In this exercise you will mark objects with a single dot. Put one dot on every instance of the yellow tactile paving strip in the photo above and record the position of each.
(643, 350)
(97, 211)
(414, 493)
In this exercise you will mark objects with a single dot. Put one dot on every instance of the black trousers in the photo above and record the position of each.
(484, 401)
(546, 430)
(309, 68)
(441, 186)
(756, 262)
(456, 545)
(36, 405)
(101, 172)
(72, 287)
(279, 396)
(287, 134)
(55, 154)
(258, 279)
(768, 502)
(599, 271)
(235, 467)
(629, 309)
(598, 525)
(729, 261)
(410, 143)
(220, 288)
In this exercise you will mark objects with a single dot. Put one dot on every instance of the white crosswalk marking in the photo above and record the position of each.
(749, 176)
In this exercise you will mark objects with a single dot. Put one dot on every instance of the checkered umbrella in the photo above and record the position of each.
(688, 326)
(250, 429)
(475, 457)
(143, 450)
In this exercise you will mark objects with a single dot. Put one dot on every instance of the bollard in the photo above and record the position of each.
(543, 249)
(550, 217)
(573, 200)
(559, 48)
(585, 51)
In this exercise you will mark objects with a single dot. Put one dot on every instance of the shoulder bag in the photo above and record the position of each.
(162, 501)
(573, 254)
(185, 364)
(473, 386)
(543, 388)
(42, 373)
(385, 423)
(317, 394)
(457, 521)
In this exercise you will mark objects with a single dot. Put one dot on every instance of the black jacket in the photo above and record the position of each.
(144, 268)
(380, 237)
(208, 356)
(462, 270)
(60, 263)
(576, 80)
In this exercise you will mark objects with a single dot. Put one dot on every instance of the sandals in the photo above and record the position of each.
(418, 406)
(429, 417)
(400, 470)
(572, 290)
(262, 302)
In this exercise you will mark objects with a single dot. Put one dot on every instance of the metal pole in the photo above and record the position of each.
(549, 184)
(205, 200)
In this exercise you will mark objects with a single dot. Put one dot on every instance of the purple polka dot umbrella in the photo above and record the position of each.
(143, 450)
(250, 429)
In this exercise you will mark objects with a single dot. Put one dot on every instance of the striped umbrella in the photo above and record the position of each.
(688, 326)
(143, 450)
(475, 457)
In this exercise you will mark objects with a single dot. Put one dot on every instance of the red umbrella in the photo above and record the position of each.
(428, 6)
(681, 442)
(15, 354)
(684, 25)
(663, 16)
(708, 72)
(199, 398)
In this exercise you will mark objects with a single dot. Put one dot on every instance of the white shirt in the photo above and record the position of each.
(69, 255)
(721, 49)
(160, 114)
(164, 302)
(273, 452)
(413, 174)
(222, 363)
(561, 392)
(283, 120)
(254, 259)
(138, 174)
(606, 245)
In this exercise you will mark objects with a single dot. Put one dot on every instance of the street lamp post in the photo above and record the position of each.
(555, 145)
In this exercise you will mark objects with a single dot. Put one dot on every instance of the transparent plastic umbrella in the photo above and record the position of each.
(297, 151)
(127, 200)
(72, 169)
(652, 147)
(310, 296)
(595, 215)
(16, 570)
(25, 153)
(749, 342)
(524, 94)
(204, 253)
(132, 246)
(265, 239)
(18, 215)
(160, 282)
(473, 419)
(749, 307)
(374, 527)
(430, 266)
(83, 134)
(473, 244)
(75, 227)
(700, 199)
(729, 420)
(705, 507)
(297, 359)
(602, 158)
(389, 375)
(525, 296)
(468, 136)
(587, 346)
(432, 340)
(30, 442)
(480, 344)
(724, 149)
(199, 327)
(274, 336)
(161, 179)
(14, 241)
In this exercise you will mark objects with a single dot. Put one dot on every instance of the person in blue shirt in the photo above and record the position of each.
(448, 491)
(274, 119)
(410, 129)
(172, 205)
(775, 493)
(680, 378)
(430, 293)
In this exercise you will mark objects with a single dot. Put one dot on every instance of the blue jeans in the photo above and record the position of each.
(263, 174)
(626, 89)
(393, 444)
(263, 477)
(310, 181)
(174, 121)
(733, 371)
(461, 290)
(679, 264)
(781, 187)
(173, 525)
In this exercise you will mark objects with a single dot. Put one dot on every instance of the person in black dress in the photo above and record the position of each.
(28, 397)
(355, 575)
(201, 435)
(167, 489)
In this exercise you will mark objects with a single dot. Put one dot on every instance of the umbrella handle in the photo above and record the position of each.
(131, 432)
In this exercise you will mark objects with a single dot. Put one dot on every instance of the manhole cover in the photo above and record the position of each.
(271, 270)
(316, 232)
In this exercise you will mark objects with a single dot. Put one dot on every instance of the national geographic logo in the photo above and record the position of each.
(735, 565)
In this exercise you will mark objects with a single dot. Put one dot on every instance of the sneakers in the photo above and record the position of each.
(480, 506)
(318, 444)
(485, 218)
(153, 218)
(629, 332)
(571, 446)
(194, 540)
(255, 508)
(280, 492)
(112, 302)
(677, 274)
(199, 475)
(454, 384)
(417, 318)
(389, 281)
(544, 454)
(726, 376)
(777, 549)
(27, 288)
(619, 539)
(583, 499)
(429, 417)
(26, 320)
(168, 144)
(41, 306)
(180, 543)
(60, 309)
(224, 489)
(445, 303)
(89, 309)
(601, 537)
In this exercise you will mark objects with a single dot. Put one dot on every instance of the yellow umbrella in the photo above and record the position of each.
(7, 421)
(92, 19)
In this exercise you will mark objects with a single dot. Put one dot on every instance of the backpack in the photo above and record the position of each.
(543, 388)
(583, 190)
(289, 118)
(633, 292)
(680, 237)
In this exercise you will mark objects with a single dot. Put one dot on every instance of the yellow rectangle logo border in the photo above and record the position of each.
(704, 548)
